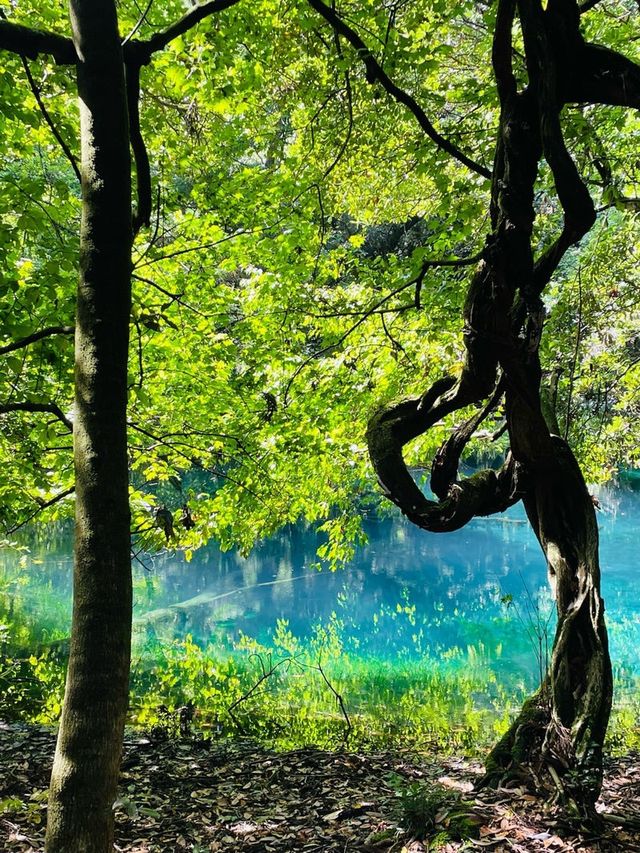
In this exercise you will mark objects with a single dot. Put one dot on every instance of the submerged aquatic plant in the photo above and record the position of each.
(446, 699)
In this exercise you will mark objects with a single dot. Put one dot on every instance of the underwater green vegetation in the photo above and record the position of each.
(293, 691)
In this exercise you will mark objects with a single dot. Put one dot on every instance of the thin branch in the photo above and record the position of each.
(193, 460)
(138, 23)
(36, 336)
(51, 408)
(347, 137)
(266, 673)
(453, 262)
(395, 343)
(68, 153)
(339, 700)
(142, 51)
(42, 505)
(375, 73)
(175, 297)
(140, 358)
(198, 248)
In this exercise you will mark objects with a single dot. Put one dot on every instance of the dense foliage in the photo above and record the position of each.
(276, 301)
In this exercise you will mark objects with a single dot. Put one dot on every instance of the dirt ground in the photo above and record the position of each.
(197, 796)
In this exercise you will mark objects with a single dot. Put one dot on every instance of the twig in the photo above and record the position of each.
(138, 23)
(339, 700)
(266, 673)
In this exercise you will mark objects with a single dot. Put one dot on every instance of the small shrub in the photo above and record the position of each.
(430, 811)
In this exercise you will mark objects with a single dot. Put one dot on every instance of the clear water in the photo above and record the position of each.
(480, 592)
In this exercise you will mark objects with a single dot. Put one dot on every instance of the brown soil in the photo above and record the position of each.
(191, 795)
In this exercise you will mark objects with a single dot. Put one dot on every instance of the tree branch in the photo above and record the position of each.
(42, 505)
(501, 53)
(417, 281)
(51, 408)
(587, 5)
(543, 61)
(142, 215)
(138, 23)
(602, 76)
(36, 336)
(141, 51)
(376, 73)
(45, 113)
(30, 43)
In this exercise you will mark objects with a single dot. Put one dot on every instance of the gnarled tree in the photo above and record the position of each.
(560, 731)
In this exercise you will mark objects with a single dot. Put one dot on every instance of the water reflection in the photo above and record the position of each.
(406, 592)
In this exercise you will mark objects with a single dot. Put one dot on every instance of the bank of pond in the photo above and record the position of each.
(422, 639)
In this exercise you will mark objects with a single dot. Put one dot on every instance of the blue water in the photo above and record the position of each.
(479, 591)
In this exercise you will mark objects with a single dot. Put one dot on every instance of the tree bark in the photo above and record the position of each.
(556, 742)
(85, 771)
(561, 729)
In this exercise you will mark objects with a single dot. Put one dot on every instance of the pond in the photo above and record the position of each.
(478, 594)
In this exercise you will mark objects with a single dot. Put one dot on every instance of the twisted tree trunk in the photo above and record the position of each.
(558, 737)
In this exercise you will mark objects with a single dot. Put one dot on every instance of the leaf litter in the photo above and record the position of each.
(195, 795)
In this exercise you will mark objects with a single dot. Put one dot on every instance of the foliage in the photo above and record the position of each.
(294, 198)
(435, 813)
(420, 703)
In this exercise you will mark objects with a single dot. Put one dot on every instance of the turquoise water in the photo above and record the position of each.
(479, 593)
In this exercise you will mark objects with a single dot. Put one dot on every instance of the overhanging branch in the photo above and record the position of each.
(42, 505)
(47, 117)
(142, 51)
(36, 336)
(30, 43)
(376, 74)
(51, 408)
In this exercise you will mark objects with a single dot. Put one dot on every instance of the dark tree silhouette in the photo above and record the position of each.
(559, 734)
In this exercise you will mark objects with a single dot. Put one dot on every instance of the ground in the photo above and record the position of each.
(190, 796)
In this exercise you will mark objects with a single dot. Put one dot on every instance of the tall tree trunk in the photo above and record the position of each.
(85, 770)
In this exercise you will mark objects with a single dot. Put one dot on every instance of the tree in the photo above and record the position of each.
(268, 310)
(561, 729)
(85, 772)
